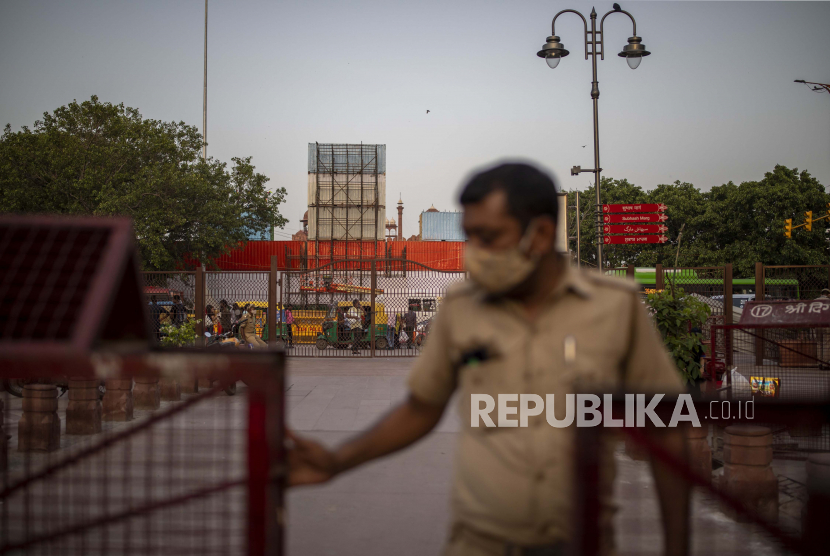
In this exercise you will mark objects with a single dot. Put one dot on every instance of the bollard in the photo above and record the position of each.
(700, 454)
(39, 428)
(4, 442)
(83, 413)
(190, 385)
(747, 473)
(816, 514)
(170, 390)
(146, 393)
(118, 400)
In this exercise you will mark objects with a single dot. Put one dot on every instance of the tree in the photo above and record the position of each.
(739, 224)
(96, 158)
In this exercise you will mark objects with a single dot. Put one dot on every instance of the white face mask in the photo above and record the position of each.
(499, 272)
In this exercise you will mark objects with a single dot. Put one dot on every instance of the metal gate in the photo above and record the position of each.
(201, 475)
(400, 298)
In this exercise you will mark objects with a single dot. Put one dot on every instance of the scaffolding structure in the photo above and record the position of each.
(346, 199)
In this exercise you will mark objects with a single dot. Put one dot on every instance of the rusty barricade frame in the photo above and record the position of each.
(587, 532)
(265, 476)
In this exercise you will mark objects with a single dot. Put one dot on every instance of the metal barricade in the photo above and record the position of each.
(200, 476)
(745, 503)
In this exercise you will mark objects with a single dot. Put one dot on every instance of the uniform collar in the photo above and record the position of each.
(571, 280)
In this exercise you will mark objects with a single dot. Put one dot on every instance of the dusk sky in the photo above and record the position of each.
(714, 102)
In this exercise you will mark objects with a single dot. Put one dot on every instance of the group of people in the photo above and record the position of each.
(229, 315)
(215, 323)
(397, 323)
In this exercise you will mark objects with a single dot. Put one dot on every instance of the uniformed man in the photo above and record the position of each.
(248, 329)
(527, 322)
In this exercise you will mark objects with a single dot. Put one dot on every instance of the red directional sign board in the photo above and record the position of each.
(634, 240)
(635, 229)
(643, 207)
(633, 218)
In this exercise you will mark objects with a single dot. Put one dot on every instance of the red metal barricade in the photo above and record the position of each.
(743, 500)
(203, 475)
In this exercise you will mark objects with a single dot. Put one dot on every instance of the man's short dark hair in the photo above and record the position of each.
(355, 301)
(176, 298)
(530, 192)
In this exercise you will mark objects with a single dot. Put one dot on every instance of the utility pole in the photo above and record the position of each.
(204, 95)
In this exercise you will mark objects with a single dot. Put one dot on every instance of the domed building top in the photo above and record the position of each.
(432, 209)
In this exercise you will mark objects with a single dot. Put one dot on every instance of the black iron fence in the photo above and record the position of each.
(310, 312)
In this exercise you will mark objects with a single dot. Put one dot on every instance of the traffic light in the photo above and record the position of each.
(808, 222)
(788, 228)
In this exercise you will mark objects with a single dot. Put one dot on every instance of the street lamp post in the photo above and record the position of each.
(633, 52)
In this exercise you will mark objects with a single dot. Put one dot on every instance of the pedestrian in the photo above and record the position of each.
(341, 324)
(178, 313)
(526, 322)
(155, 317)
(365, 313)
(289, 321)
(390, 331)
(398, 328)
(224, 316)
(210, 319)
(247, 328)
(237, 312)
(410, 321)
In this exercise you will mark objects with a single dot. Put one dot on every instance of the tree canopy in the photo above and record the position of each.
(96, 158)
(739, 224)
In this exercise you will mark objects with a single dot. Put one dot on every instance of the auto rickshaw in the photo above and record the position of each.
(344, 338)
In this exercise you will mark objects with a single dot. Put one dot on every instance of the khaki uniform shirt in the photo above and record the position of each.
(593, 333)
(248, 328)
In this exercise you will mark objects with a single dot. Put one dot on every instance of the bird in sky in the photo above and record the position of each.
(427, 111)
(583, 146)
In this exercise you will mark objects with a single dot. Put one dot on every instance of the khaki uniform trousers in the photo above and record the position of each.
(255, 341)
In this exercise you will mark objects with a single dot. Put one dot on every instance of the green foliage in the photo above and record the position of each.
(183, 336)
(97, 158)
(672, 313)
(739, 224)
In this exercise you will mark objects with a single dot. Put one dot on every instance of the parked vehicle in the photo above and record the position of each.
(344, 338)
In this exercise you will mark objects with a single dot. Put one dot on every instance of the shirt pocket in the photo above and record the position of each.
(486, 378)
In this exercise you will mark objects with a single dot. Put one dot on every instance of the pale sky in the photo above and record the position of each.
(714, 102)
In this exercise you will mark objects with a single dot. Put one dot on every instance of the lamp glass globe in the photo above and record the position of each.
(634, 61)
(552, 61)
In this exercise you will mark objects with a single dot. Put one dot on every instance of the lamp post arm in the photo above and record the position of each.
(584, 22)
(602, 33)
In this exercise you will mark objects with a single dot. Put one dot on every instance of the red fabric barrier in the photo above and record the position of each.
(256, 255)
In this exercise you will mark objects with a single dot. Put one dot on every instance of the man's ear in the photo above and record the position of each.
(544, 241)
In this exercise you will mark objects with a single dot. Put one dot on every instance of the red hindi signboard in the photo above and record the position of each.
(633, 240)
(632, 218)
(643, 207)
(635, 229)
